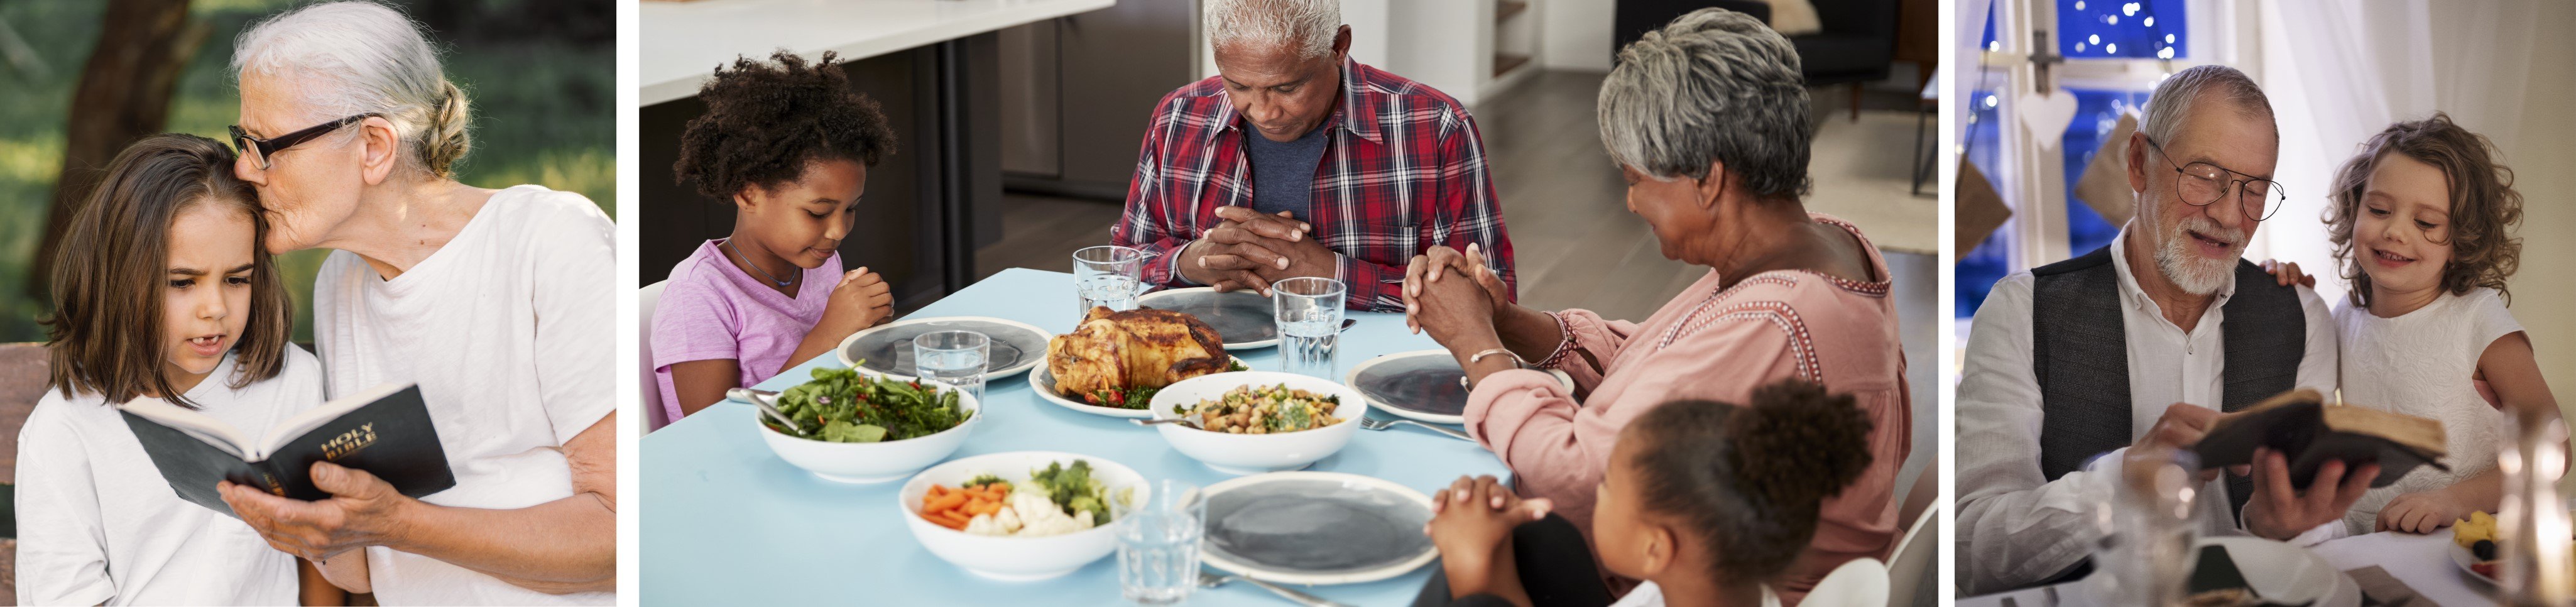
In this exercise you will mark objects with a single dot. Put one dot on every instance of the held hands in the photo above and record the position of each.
(2279, 512)
(1249, 250)
(362, 511)
(861, 300)
(1455, 297)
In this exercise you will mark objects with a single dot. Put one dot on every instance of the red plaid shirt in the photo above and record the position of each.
(1404, 171)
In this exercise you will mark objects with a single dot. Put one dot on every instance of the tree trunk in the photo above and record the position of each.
(124, 94)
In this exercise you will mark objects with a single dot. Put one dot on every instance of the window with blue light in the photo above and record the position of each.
(2097, 111)
(2122, 29)
(1991, 260)
(2088, 29)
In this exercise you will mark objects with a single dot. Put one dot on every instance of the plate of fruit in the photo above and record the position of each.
(2473, 546)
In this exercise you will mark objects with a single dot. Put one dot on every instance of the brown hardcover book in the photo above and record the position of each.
(2301, 425)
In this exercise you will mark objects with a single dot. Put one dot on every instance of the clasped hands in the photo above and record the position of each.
(1248, 250)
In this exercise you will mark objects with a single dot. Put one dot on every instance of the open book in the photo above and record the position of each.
(2301, 426)
(385, 431)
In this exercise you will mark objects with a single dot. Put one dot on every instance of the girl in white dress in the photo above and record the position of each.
(163, 293)
(2422, 225)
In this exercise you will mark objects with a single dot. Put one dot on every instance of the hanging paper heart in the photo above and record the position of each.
(2046, 116)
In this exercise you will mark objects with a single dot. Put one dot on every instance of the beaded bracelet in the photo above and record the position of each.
(1563, 347)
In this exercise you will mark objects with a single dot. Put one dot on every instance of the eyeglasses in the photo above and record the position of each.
(2202, 183)
(258, 150)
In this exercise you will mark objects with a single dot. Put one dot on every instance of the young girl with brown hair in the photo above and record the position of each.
(163, 292)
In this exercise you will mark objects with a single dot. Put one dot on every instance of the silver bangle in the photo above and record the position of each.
(1480, 357)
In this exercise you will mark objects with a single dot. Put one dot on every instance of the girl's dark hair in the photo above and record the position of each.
(765, 121)
(2483, 209)
(105, 336)
(1749, 480)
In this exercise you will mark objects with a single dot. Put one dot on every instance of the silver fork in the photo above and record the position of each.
(1211, 580)
(1382, 424)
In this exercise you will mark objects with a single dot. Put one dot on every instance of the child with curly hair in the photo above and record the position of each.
(788, 144)
(2422, 224)
(1707, 502)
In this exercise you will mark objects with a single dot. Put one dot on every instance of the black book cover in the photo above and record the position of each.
(2310, 433)
(391, 437)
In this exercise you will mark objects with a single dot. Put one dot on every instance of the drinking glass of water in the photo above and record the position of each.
(1158, 545)
(1310, 324)
(954, 357)
(1108, 276)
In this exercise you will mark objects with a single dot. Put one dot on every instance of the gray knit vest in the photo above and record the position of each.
(2079, 353)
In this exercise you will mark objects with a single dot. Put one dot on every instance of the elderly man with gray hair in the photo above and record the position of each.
(2128, 353)
(1354, 171)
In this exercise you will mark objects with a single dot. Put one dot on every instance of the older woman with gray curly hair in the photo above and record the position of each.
(496, 303)
(1708, 122)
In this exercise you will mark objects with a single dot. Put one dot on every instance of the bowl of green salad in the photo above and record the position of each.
(853, 427)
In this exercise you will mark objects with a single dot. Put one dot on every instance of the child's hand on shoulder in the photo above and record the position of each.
(2287, 272)
(861, 300)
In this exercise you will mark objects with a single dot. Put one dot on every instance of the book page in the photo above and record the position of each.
(204, 427)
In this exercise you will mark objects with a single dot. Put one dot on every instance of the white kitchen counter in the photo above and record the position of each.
(683, 42)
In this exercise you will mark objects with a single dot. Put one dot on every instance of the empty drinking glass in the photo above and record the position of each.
(1109, 276)
(1158, 544)
(1310, 324)
(2145, 552)
(2532, 521)
(954, 357)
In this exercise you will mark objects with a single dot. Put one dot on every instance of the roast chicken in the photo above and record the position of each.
(1143, 348)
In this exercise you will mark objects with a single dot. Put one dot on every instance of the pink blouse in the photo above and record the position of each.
(1716, 344)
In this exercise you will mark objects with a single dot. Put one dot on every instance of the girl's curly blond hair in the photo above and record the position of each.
(2484, 206)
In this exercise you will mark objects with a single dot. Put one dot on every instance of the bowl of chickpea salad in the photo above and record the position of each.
(1250, 422)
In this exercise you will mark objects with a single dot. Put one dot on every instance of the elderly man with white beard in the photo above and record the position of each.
(2130, 351)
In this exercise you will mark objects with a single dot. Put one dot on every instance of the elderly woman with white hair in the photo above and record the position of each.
(1708, 122)
(497, 303)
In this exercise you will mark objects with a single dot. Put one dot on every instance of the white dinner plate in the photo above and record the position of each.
(2463, 558)
(887, 348)
(2286, 574)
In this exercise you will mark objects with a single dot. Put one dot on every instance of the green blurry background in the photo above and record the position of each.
(540, 74)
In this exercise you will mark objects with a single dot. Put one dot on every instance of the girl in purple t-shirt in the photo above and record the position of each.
(789, 145)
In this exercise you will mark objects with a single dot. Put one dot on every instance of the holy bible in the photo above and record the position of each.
(2309, 432)
(385, 431)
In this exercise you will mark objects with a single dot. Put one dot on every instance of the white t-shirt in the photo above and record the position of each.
(97, 524)
(510, 331)
(1650, 595)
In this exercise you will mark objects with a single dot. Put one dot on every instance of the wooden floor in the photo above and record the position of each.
(1575, 243)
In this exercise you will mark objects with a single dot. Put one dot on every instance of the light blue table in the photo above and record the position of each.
(725, 522)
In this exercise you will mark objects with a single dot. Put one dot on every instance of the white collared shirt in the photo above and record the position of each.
(2015, 526)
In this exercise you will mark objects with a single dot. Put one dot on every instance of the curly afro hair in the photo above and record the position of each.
(765, 121)
(1751, 479)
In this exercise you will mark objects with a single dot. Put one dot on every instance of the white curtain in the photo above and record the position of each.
(2339, 71)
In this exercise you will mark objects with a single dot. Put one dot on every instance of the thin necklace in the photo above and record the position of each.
(746, 262)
